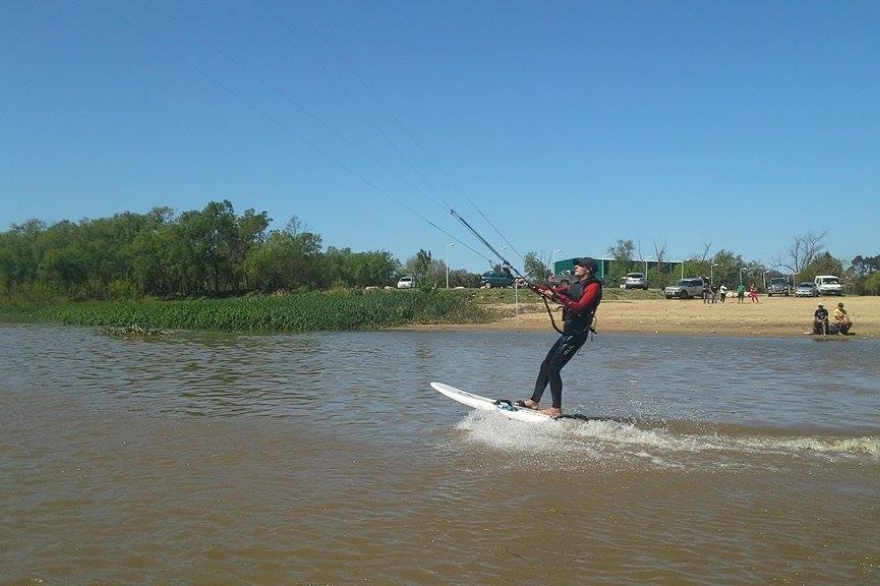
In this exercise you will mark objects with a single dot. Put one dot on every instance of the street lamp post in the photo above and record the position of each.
(447, 262)
(646, 265)
(712, 273)
(646, 269)
(553, 260)
(741, 274)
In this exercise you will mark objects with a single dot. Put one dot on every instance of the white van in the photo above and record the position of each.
(828, 285)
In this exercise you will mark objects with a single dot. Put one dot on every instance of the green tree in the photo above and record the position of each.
(860, 271)
(622, 255)
(535, 269)
(19, 256)
(217, 242)
(865, 266)
(290, 259)
(724, 268)
(373, 268)
(418, 265)
(825, 264)
(463, 278)
(871, 285)
(63, 264)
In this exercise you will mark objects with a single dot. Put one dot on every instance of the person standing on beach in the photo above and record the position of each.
(579, 301)
(741, 293)
(722, 291)
(753, 293)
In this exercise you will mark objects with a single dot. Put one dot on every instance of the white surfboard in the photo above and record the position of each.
(485, 403)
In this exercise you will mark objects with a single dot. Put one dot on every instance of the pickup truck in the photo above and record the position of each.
(563, 279)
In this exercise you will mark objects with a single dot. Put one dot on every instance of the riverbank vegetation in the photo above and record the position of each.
(216, 253)
(295, 312)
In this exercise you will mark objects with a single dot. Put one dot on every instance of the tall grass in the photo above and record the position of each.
(296, 312)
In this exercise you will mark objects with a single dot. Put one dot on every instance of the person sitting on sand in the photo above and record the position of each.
(820, 320)
(841, 319)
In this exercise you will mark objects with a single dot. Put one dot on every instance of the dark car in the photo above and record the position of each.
(778, 286)
(492, 279)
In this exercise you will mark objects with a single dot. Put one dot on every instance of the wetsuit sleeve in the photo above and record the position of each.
(587, 299)
(540, 289)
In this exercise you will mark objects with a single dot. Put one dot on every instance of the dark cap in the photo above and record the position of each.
(587, 262)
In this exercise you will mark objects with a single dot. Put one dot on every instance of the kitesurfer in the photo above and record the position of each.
(579, 301)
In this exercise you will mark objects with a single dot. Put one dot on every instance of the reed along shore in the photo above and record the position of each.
(621, 312)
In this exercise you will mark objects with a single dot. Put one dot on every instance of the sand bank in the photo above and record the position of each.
(770, 317)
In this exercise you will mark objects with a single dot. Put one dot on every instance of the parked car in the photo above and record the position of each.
(806, 289)
(492, 279)
(685, 289)
(635, 281)
(406, 283)
(828, 285)
(563, 279)
(778, 286)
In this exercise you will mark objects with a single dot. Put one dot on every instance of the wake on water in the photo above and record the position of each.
(663, 444)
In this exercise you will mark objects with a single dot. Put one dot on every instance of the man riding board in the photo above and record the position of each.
(579, 301)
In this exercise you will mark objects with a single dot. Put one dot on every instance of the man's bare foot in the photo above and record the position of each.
(527, 404)
(552, 412)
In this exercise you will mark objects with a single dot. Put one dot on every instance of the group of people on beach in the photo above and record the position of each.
(841, 321)
(741, 293)
(712, 293)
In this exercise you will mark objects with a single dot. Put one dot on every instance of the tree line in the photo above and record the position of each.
(213, 251)
(216, 252)
(805, 258)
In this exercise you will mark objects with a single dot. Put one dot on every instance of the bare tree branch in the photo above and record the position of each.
(803, 251)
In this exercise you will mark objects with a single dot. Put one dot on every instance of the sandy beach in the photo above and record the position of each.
(770, 317)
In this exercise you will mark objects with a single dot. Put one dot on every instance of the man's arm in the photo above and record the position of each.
(587, 299)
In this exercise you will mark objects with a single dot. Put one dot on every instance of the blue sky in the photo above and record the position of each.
(566, 125)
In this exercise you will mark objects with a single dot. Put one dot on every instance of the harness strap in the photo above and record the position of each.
(550, 313)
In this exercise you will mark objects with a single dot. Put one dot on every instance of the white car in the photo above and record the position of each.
(635, 281)
(406, 283)
(828, 285)
(806, 289)
(685, 289)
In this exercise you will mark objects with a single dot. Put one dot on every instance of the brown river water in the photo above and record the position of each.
(205, 458)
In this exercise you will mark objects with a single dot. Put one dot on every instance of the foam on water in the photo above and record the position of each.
(609, 440)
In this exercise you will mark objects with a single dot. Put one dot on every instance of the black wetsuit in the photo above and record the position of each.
(574, 334)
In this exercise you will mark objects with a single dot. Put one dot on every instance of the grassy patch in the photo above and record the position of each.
(295, 312)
